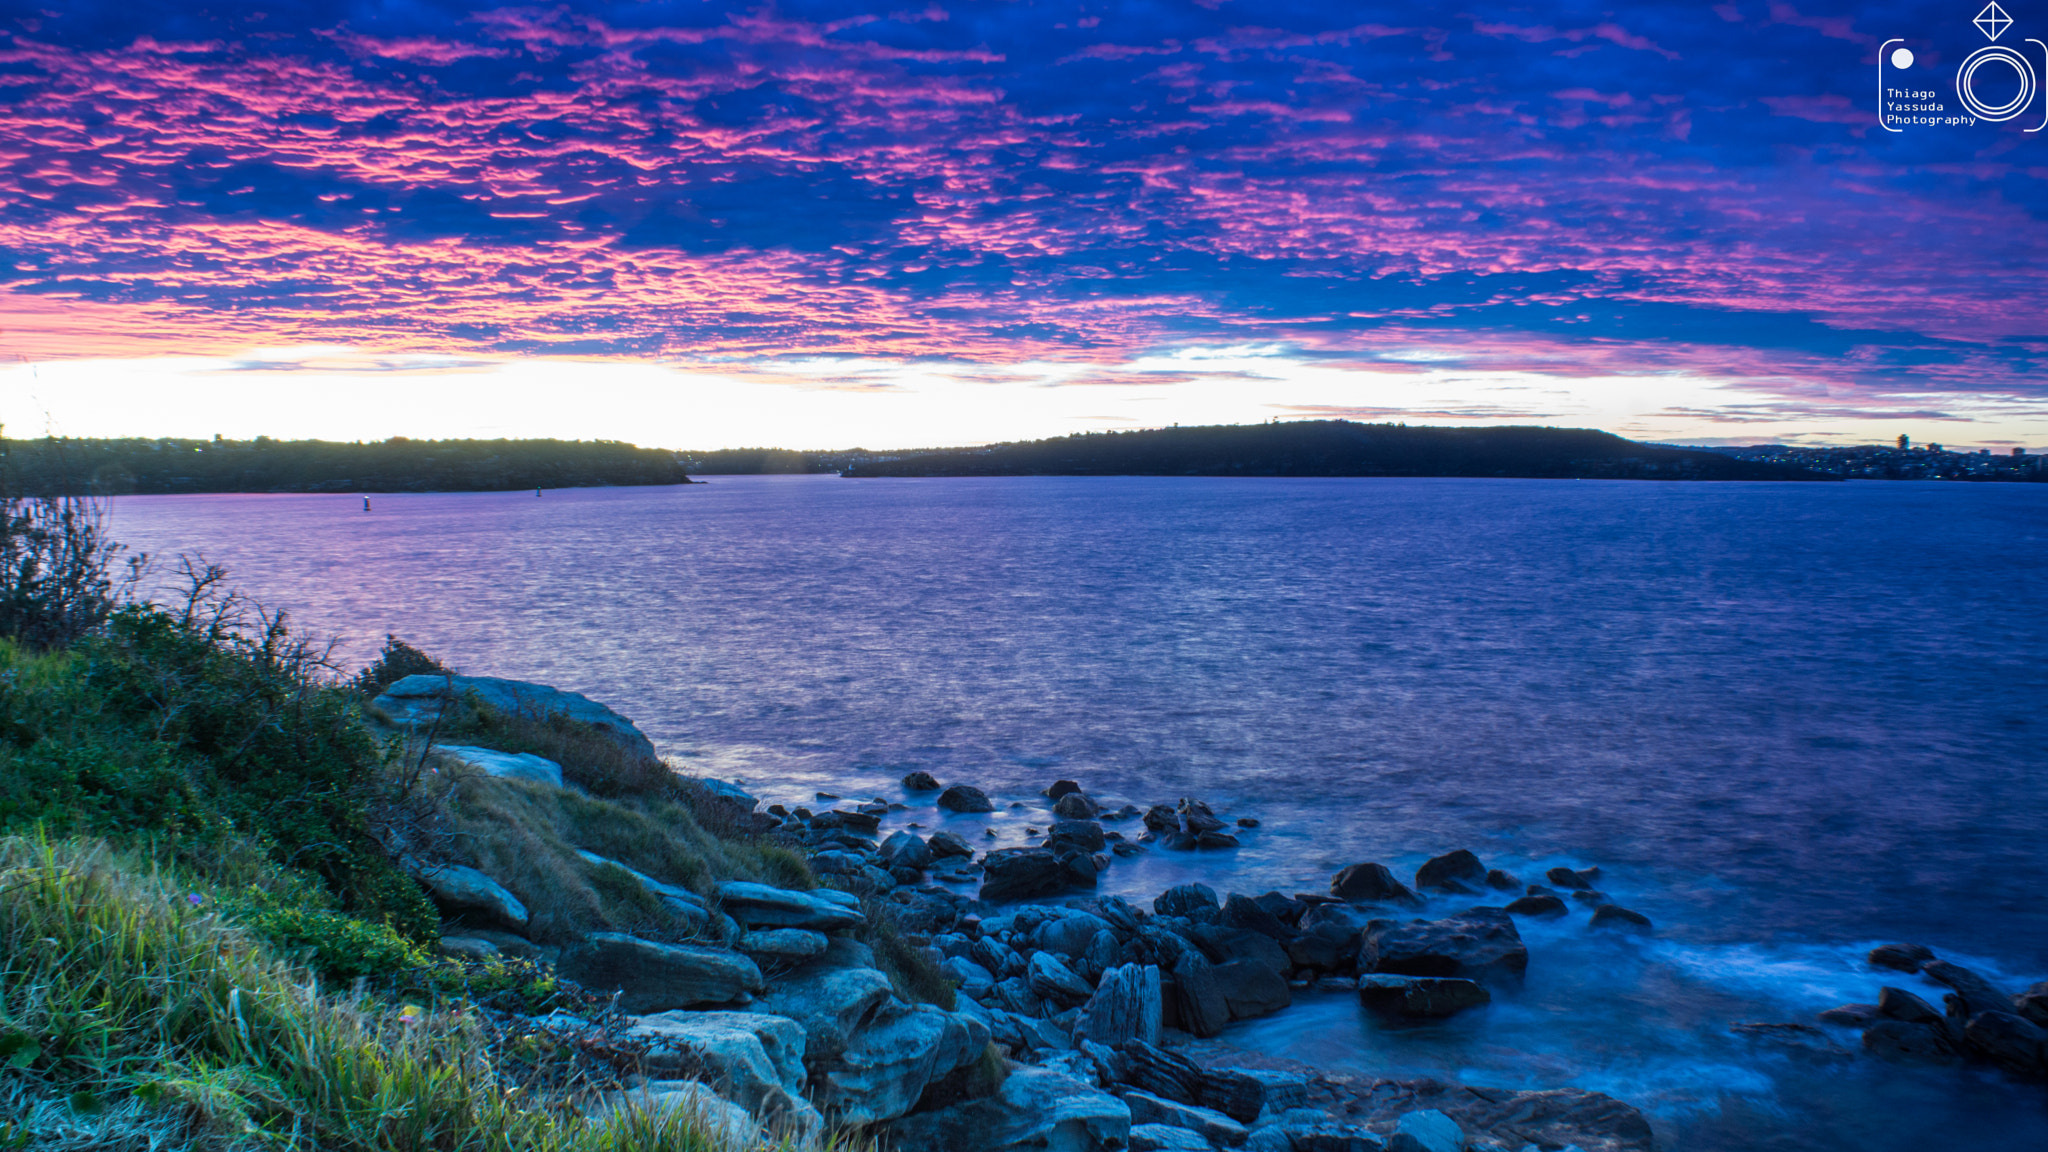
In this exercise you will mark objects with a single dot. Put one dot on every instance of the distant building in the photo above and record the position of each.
(2019, 451)
(1905, 441)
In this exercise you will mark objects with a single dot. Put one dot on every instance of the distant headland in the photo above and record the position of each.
(63, 466)
(1335, 448)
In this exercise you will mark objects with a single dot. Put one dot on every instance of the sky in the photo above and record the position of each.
(827, 224)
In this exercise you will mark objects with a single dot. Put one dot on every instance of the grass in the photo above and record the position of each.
(132, 1016)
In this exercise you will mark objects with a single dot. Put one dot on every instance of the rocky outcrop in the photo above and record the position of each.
(681, 903)
(1125, 1006)
(760, 906)
(1458, 871)
(1036, 1110)
(464, 891)
(1426, 1130)
(510, 765)
(1208, 1123)
(1420, 997)
(752, 1059)
(651, 977)
(417, 701)
(965, 798)
(1020, 873)
(1479, 944)
(1900, 957)
(1618, 919)
(1371, 884)
(920, 781)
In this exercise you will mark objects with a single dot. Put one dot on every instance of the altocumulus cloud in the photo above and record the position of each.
(1568, 188)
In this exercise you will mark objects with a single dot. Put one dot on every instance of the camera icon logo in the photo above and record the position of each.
(1994, 84)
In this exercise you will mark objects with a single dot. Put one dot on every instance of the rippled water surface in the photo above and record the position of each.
(1786, 720)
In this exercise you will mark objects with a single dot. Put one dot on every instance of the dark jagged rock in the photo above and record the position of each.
(1213, 840)
(1244, 912)
(1479, 944)
(1899, 1004)
(1800, 1040)
(2033, 1003)
(1976, 993)
(965, 798)
(1421, 997)
(905, 850)
(1285, 909)
(1194, 901)
(2008, 1040)
(1458, 871)
(652, 977)
(1162, 1073)
(1078, 835)
(1125, 1007)
(1900, 957)
(1060, 789)
(1616, 917)
(1319, 953)
(1020, 873)
(1222, 944)
(1905, 1043)
(1502, 881)
(1202, 1010)
(1851, 1016)
(1371, 883)
(948, 844)
(1252, 989)
(1566, 878)
(921, 781)
(1075, 806)
(1592, 897)
(1546, 907)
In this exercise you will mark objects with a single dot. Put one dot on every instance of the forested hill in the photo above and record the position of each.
(58, 466)
(1335, 448)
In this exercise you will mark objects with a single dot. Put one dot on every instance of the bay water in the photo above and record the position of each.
(1787, 721)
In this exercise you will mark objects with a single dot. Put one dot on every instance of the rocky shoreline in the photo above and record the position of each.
(1083, 1022)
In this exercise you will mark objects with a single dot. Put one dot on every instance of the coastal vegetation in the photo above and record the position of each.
(1334, 448)
(67, 466)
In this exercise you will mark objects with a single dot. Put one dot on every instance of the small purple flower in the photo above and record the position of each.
(196, 899)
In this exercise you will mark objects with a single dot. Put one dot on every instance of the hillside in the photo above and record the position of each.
(1335, 448)
(71, 466)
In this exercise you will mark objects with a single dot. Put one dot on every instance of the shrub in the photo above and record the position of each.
(395, 663)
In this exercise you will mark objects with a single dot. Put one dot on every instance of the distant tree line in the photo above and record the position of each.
(60, 466)
(1335, 448)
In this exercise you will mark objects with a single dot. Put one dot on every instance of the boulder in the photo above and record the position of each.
(1193, 901)
(1479, 944)
(1076, 806)
(1061, 789)
(946, 845)
(760, 906)
(1976, 993)
(1621, 919)
(511, 765)
(1166, 1138)
(1069, 935)
(1252, 989)
(1246, 913)
(1243, 1094)
(653, 977)
(783, 943)
(1546, 907)
(905, 850)
(1420, 997)
(2033, 1003)
(2009, 1040)
(920, 781)
(1899, 1004)
(1076, 836)
(1036, 1110)
(1458, 871)
(1426, 1131)
(463, 890)
(1160, 1072)
(972, 978)
(1566, 878)
(1199, 1002)
(416, 701)
(965, 798)
(1054, 982)
(832, 1004)
(681, 903)
(752, 1059)
(887, 1065)
(727, 790)
(1371, 884)
(1211, 1124)
(1904, 1043)
(1851, 1015)
(1900, 957)
(999, 958)
(1125, 1006)
(1502, 881)
(724, 1123)
(1021, 873)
